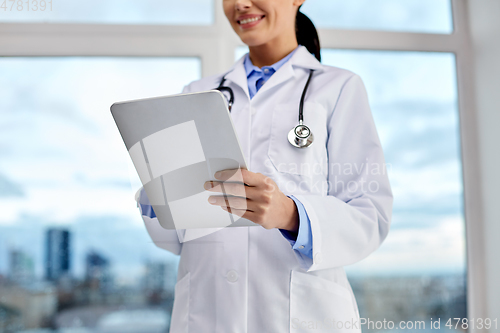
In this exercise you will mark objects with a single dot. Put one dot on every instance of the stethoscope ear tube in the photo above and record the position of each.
(223, 89)
(300, 136)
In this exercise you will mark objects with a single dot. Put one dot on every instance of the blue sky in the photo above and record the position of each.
(62, 161)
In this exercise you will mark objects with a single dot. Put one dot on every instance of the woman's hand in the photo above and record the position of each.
(257, 198)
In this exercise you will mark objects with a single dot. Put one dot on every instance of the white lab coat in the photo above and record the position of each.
(249, 279)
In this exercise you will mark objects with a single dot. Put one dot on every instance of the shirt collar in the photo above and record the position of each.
(301, 58)
(250, 68)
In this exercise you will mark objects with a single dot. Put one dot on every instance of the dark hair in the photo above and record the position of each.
(307, 34)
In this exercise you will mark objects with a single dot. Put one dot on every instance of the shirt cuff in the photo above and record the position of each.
(300, 241)
(145, 206)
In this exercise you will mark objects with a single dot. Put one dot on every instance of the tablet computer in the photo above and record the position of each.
(176, 144)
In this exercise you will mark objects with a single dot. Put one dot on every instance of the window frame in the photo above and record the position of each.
(60, 40)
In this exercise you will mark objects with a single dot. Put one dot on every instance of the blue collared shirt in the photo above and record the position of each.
(257, 77)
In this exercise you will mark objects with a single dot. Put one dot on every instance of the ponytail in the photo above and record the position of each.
(307, 34)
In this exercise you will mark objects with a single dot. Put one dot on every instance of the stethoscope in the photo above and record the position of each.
(300, 136)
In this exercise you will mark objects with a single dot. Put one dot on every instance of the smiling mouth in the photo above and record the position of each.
(250, 20)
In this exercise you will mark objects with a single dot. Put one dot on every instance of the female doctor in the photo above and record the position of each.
(320, 191)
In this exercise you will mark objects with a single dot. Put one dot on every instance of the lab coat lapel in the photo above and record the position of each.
(237, 75)
(283, 74)
(301, 58)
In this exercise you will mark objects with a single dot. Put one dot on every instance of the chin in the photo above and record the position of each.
(252, 38)
(251, 44)
(252, 41)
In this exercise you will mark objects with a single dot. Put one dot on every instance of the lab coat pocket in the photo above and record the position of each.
(320, 305)
(292, 160)
(180, 312)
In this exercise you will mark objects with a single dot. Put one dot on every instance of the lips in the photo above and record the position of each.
(249, 21)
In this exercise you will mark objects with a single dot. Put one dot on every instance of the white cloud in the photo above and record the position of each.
(440, 248)
(63, 146)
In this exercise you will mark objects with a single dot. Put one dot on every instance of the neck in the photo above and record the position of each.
(272, 52)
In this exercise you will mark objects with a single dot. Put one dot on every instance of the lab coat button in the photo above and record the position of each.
(232, 276)
(318, 258)
(253, 111)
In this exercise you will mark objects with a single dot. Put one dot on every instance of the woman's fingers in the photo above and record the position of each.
(239, 175)
(238, 182)
(236, 189)
(253, 196)
(247, 214)
(233, 202)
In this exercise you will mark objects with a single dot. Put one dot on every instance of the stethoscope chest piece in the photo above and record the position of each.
(300, 136)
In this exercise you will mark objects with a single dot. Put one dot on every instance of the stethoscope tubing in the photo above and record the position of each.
(300, 136)
(303, 98)
(221, 88)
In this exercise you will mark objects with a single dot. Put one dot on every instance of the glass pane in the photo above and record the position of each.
(109, 11)
(429, 16)
(71, 236)
(419, 271)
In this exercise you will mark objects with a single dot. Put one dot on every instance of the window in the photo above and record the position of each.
(63, 68)
(429, 16)
(109, 11)
(419, 272)
(64, 172)
(413, 96)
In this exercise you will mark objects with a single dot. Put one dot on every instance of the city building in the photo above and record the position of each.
(28, 307)
(57, 254)
(21, 267)
(155, 276)
(97, 271)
